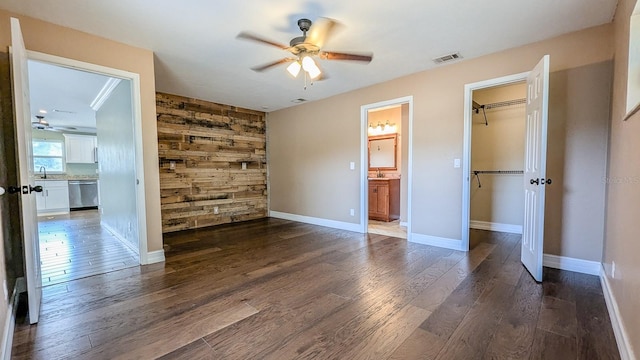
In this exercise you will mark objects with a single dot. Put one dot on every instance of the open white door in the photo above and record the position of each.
(22, 113)
(535, 163)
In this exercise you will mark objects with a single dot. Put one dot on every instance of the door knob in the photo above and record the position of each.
(536, 181)
(36, 188)
(547, 181)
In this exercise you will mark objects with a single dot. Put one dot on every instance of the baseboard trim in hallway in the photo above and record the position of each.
(622, 338)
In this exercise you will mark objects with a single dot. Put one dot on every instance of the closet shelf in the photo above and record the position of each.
(477, 173)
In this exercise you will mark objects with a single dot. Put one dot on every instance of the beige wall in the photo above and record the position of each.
(311, 144)
(498, 146)
(576, 160)
(68, 43)
(623, 190)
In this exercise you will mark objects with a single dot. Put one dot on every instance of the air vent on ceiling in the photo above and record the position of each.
(447, 58)
(298, 100)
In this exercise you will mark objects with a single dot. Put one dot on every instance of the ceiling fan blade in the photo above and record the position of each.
(249, 36)
(330, 55)
(272, 64)
(321, 31)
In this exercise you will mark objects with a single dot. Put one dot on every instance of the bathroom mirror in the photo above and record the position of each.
(382, 152)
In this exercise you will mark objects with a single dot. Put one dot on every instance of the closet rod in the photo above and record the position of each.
(477, 173)
(505, 103)
(512, 172)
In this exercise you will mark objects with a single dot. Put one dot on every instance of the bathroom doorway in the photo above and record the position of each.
(386, 167)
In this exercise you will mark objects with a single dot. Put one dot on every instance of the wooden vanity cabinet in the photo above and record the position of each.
(384, 199)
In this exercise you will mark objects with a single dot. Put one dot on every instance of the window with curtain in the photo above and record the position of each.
(50, 154)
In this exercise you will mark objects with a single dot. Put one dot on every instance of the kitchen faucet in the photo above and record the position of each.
(42, 168)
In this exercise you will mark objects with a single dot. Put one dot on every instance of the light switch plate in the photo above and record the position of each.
(456, 163)
(352, 165)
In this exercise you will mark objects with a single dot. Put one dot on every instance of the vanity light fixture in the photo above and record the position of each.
(380, 129)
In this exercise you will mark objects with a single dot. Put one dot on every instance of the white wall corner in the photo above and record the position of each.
(491, 226)
(622, 338)
(572, 264)
(155, 257)
(10, 322)
(441, 242)
(317, 221)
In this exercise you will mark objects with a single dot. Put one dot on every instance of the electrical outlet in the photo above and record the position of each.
(172, 165)
(244, 166)
(216, 210)
(613, 269)
(352, 212)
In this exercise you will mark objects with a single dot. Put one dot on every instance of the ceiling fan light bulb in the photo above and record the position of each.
(314, 73)
(294, 68)
(308, 63)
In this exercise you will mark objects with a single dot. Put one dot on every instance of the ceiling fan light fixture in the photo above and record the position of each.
(294, 68)
(310, 67)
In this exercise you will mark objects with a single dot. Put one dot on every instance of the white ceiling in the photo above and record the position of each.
(65, 95)
(197, 53)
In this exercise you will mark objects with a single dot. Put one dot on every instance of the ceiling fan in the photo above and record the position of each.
(304, 48)
(42, 124)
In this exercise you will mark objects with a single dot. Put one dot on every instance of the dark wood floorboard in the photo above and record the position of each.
(276, 289)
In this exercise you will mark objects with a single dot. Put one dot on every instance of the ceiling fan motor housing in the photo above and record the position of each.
(304, 24)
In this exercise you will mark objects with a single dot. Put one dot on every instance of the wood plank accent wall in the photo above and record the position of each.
(208, 143)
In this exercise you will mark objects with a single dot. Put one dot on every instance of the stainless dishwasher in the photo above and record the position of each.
(83, 194)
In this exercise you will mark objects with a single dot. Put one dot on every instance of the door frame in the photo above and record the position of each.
(364, 159)
(466, 147)
(137, 128)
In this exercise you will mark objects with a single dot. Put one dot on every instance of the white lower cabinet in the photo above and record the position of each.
(54, 198)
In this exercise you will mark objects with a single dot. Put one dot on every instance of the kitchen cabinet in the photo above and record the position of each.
(54, 198)
(81, 149)
(384, 199)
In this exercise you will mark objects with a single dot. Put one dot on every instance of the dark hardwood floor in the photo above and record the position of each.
(275, 289)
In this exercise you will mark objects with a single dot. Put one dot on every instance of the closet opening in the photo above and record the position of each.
(496, 162)
(511, 139)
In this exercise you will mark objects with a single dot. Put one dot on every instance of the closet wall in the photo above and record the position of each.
(497, 199)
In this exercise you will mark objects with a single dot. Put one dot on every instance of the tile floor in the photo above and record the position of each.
(75, 246)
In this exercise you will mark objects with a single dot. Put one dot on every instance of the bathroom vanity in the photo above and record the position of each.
(384, 199)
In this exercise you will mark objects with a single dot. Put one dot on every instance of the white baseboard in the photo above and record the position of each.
(317, 221)
(571, 264)
(622, 338)
(155, 257)
(53, 212)
(121, 238)
(491, 226)
(446, 243)
(10, 321)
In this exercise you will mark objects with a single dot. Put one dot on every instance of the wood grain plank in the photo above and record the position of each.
(550, 346)
(516, 331)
